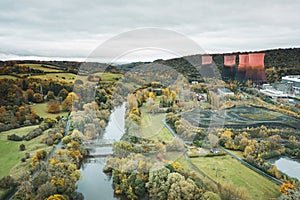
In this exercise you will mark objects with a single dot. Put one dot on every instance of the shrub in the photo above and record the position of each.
(14, 137)
(215, 154)
(27, 155)
(7, 182)
(49, 141)
(22, 147)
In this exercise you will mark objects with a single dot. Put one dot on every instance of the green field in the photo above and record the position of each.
(10, 155)
(39, 66)
(152, 126)
(103, 76)
(108, 76)
(163, 135)
(7, 76)
(230, 170)
(69, 77)
(41, 110)
(64, 77)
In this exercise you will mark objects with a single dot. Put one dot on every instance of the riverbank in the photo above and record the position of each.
(94, 183)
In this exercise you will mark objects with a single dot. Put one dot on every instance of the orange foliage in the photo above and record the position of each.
(285, 187)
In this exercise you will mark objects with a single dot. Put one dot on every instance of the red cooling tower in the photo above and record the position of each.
(243, 63)
(206, 60)
(229, 60)
(229, 70)
(206, 70)
(256, 69)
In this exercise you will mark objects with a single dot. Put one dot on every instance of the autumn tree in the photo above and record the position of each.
(157, 184)
(210, 196)
(63, 93)
(152, 95)
(29, 95)
(228, 192)
(71, 99)
(181, 188)
(37, 98)
(132, 102)
(53, 107)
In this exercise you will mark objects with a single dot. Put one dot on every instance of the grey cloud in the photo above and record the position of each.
(74, 28)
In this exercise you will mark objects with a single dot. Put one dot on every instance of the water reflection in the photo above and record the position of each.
(95, 184)
(288, 166)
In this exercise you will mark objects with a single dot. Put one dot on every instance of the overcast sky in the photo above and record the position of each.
(71, 30)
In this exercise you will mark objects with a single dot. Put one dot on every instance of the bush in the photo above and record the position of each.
(33, 134)
(22, 147)
(210, 196)
(7, 182)
(215, 154)
(27, 155)
(14, 137)
(49, 141)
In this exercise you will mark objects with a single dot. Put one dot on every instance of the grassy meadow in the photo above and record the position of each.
(7, 77)
(10, 155)
(40, 67)
(63, 77)
(152, 126)
(230, 170)
(41, 110)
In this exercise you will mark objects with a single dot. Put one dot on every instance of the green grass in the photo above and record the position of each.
(39, 66)
(10, 155)
(109, 76)
(230, 170)
(237, 153)
(19, 131)
(7, 76)
(152, 126)
(69, 77)
(104, 77)
(64, 77)
(163, 135)
(41, 110)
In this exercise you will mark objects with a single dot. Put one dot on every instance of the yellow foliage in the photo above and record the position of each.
(53, 161)
(118, 191)
(228, 133)
(58, 182)
(152, 95)
(61, 152)
(176, 166)
(75, 154)
(285, 187)
(57, 197)
(135, 111)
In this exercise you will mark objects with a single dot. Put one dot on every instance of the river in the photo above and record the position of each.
(95, 184)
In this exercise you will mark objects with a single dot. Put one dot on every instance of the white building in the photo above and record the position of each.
(225, 92)
(294, 80)
(272, 93)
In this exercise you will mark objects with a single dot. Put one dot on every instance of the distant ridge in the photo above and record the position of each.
(278, 63)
